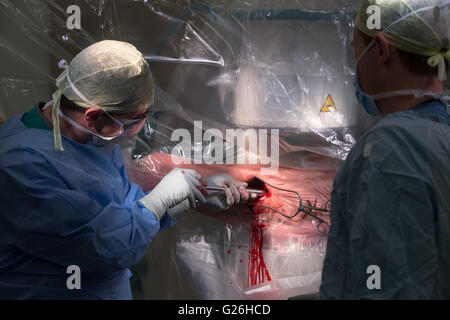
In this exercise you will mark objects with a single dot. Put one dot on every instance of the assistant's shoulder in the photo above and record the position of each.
(407, 126)
(396, 145)
(406, 135)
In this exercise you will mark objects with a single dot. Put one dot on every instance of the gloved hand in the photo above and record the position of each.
(179, 185)
(235, 191)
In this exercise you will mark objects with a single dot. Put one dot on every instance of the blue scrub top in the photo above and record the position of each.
(390, 208)
(59, 209)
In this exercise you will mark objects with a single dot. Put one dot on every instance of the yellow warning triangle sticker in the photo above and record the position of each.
(329, 105)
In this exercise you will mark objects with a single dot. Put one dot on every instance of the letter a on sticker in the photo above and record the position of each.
(329, 105)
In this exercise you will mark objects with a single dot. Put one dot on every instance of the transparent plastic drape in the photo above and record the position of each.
(259, 64)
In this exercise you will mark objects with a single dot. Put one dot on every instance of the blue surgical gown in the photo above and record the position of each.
(391, 209)
(59, 209)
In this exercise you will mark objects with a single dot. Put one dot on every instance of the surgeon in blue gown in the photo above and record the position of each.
(65, 197)
(390, 205)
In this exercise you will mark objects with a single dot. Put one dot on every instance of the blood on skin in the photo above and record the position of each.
(266, 196)
(311, 184)
(257, 270)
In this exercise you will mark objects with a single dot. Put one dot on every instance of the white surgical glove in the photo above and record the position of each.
(235, 191)
(179, 185)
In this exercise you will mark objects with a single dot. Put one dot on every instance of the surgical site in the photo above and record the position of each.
(224, 150)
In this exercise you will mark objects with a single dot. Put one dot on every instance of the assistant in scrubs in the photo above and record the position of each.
(390, 209)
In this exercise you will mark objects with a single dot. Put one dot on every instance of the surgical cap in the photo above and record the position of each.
(110, 75)
(416, 26)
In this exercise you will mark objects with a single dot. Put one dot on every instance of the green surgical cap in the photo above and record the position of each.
(416, 26)
(110, 75)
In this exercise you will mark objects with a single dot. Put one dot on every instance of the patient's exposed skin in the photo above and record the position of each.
(266, 227)
(310, 184)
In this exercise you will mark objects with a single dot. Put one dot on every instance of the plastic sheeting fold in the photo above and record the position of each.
(259, 64)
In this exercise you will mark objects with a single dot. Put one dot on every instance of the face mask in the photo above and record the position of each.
(99, 142)
(368, 101)
(363, 98)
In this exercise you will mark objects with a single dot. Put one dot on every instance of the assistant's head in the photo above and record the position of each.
(408, 51)
(107, 88)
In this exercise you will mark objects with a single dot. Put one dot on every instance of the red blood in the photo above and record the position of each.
(311, 184)
(257, 271)
(267, 195)
(239, 246)
(229, 251)
(240, 261)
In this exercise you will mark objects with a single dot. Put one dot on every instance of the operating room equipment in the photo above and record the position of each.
(249, 190)
(307, 208)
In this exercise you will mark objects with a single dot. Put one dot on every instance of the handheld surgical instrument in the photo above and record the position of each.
(307, 209)
(250, 190)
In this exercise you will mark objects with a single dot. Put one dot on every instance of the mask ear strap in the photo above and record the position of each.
(417, 93)
(397, 93)
(55, 118)
(79, 127)
(48, 105)
(365, 51)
